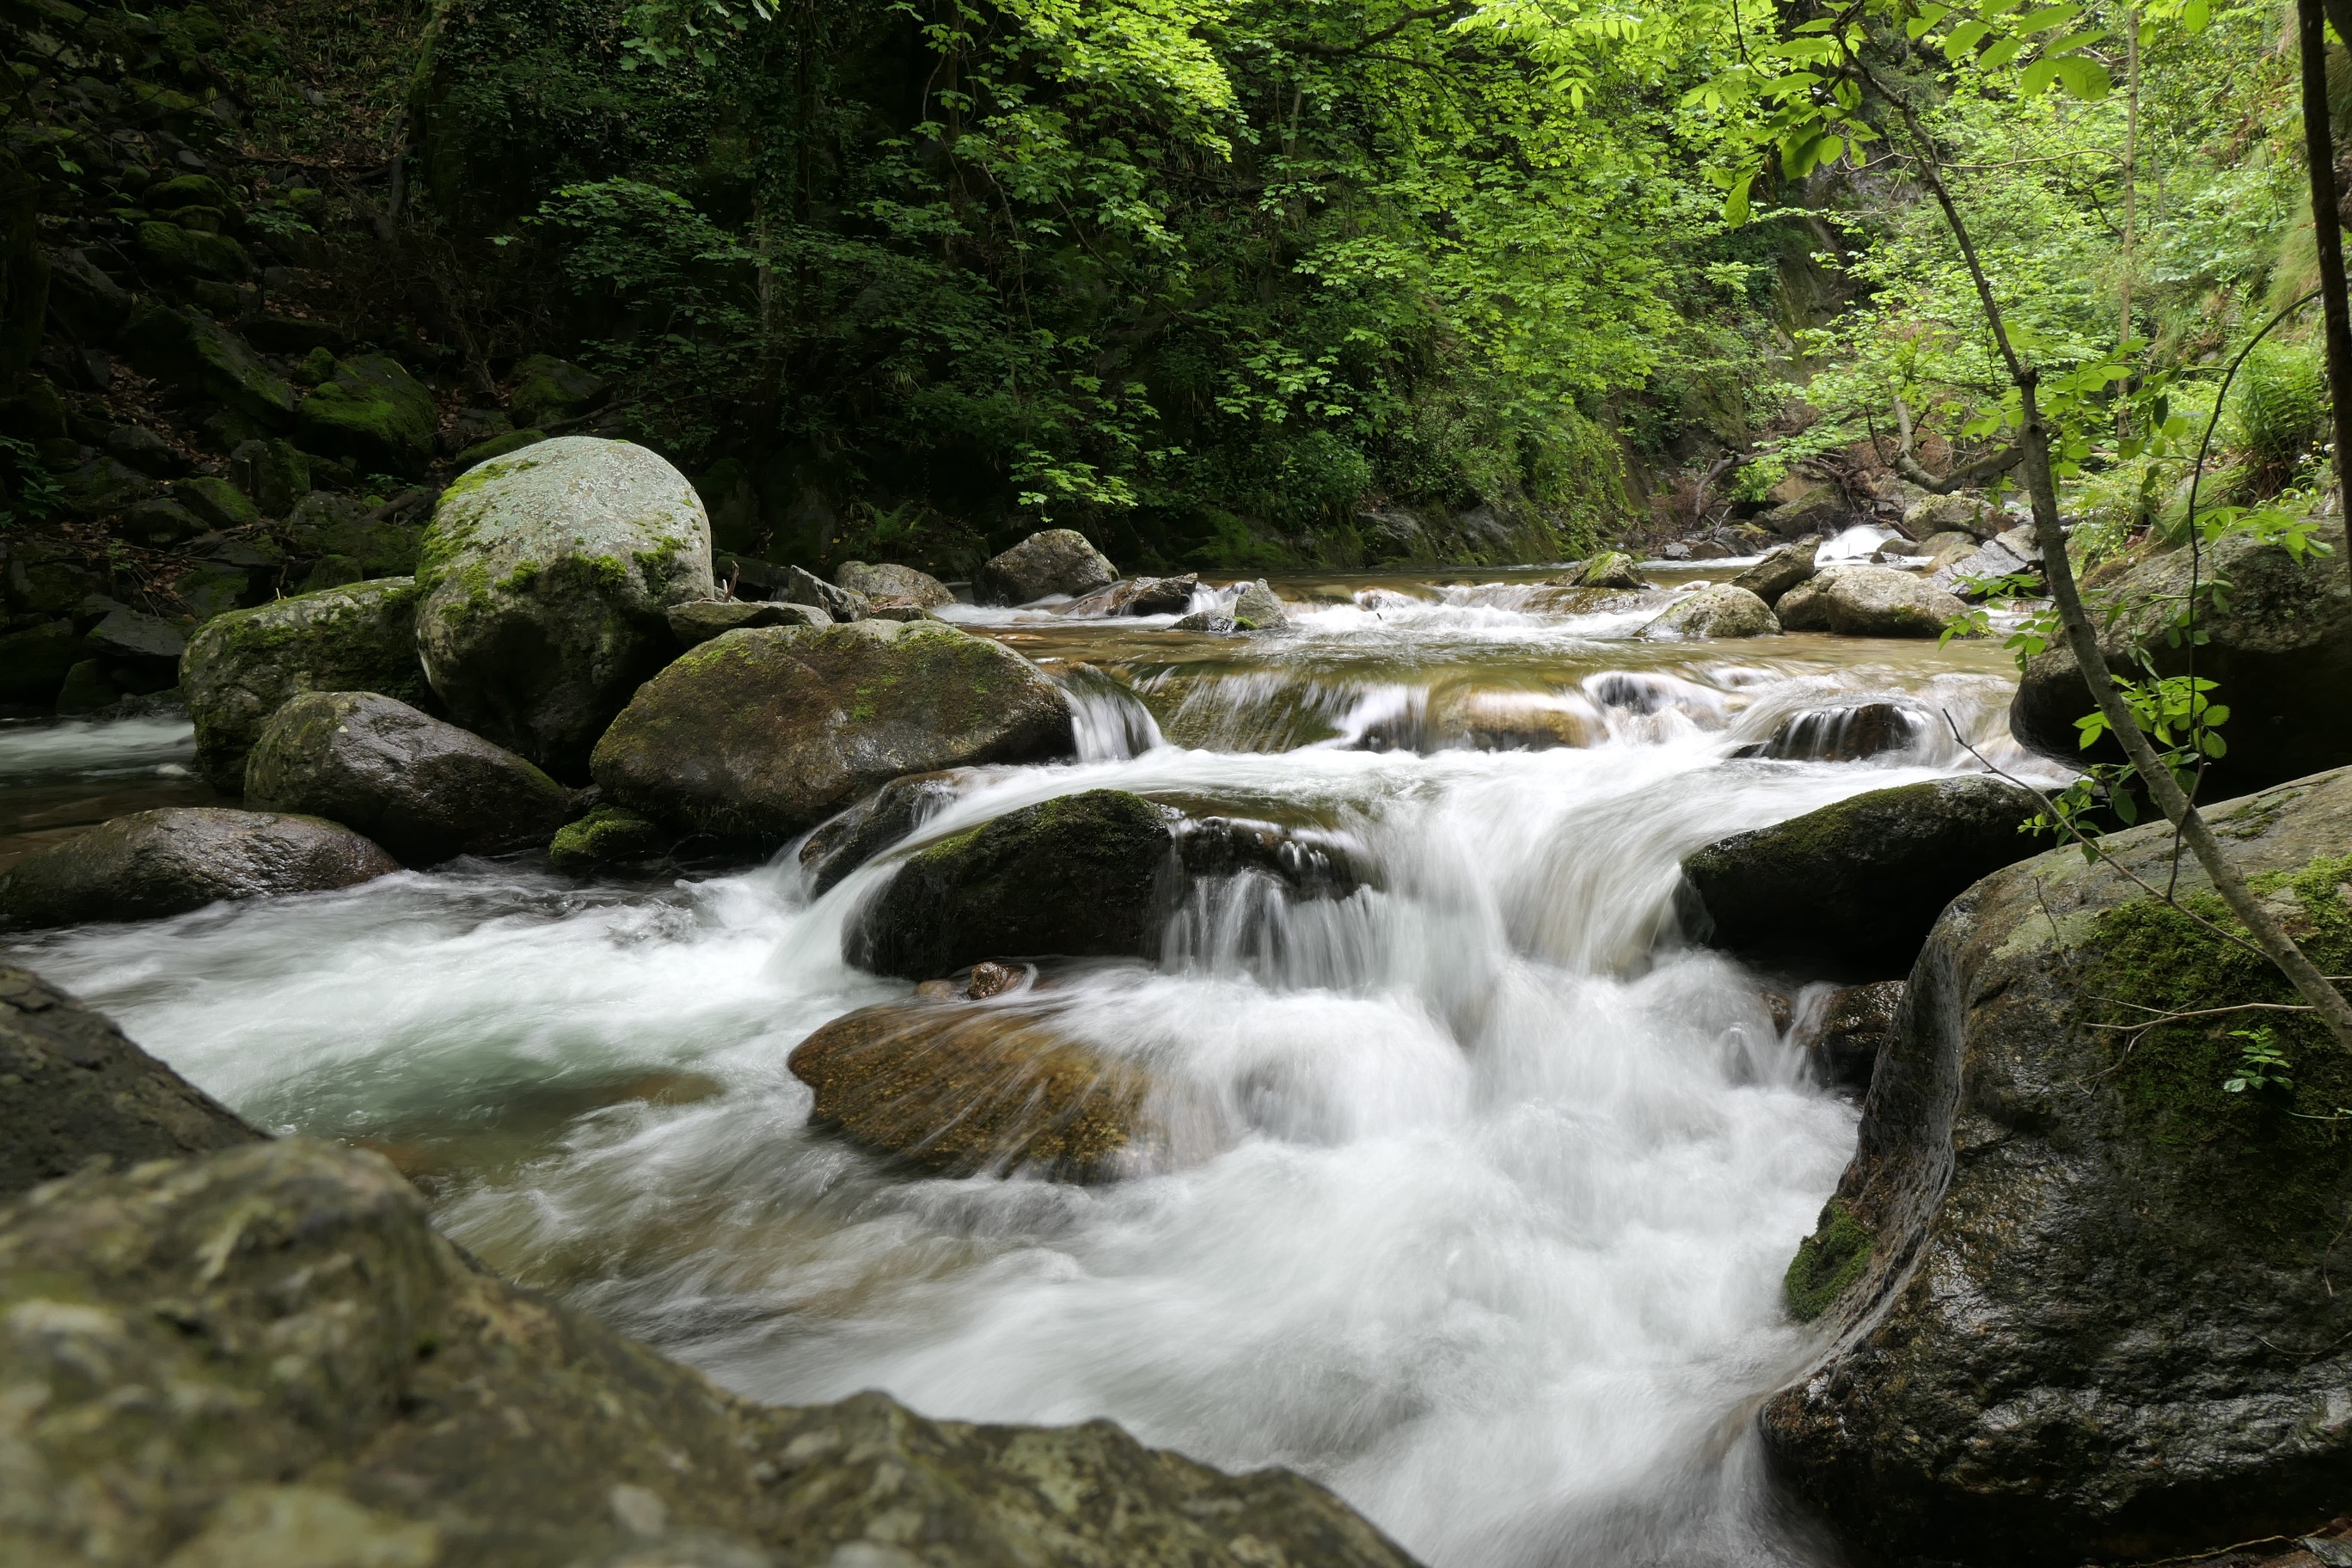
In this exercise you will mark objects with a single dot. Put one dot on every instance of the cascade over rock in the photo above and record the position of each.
(2281, 656)
(764, 733)
(547, 575)
(151, 864)
(424, 789)
(2082, 1296)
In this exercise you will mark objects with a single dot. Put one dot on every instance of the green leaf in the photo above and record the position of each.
(1964, 38)
(1735, 205)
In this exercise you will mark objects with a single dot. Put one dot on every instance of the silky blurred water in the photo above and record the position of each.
(1474, 1188)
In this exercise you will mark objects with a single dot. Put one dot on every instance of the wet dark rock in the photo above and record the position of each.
(548, 391)
(145, 451)
(1207, 621)
(1782, 569)
(146, 648)
(34, 660)
(1842, 1029)
(241, 665)
(355, 1391)
(1865, 601)
(1135, 596)
(959, 1090)
(1310, 864)
(762, 733)
(73, 1088)
(373, 412)
(699, 620)
(2282, 656)
(2080, 1297)
(87, 690)
(103, 485)
(893, 581)
(151, 864)
(1081, 876)
(873, 824)
(608, 835)
(1850, 733)
(1854, 887)
(1057, 560)
(424, 789)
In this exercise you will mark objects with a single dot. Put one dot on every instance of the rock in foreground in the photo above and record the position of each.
(1057, 560)
(346, 1389)
(424, 789)
(71, 1087)
(1854, 887)
(1861, 601)
(761, 734)
(151, 864)
(241, 665)
(2084, 1297)
(962, 1089)
(1082, 876)
(547, 577)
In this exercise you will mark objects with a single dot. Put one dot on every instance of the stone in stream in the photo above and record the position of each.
(1854, 887)
(1717, 610)
(1135, 596)
(548, 575)
(1082, 876)
(240, 667)
(2080, 1299)
(73, 1088)
(1782, 569)
(2013, 553)
(424, 789)
(1823, 511)
(1257, 608)
(1943, 549)
(607, 835)
(873, 824)
(1057, 560)
(267, 1355)
(699, 620)
(1208, 621)
(1850, 733)
(803, 586)
(1312, 864)
(887, 580)
(1864, 601)
(760, 734)
(2282, 656)
(1842, 1029)
(151, 864)
(1609, 569)
(1491, 719)
(960, 1090)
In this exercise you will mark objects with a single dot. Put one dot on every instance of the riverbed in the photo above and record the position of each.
(1476, 1184)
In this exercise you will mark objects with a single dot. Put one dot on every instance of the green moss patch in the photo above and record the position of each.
(1827, 1262)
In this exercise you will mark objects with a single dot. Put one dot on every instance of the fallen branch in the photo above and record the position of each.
(1976, 473)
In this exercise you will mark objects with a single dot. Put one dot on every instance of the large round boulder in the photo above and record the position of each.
(548, 575)
(893, 581)
(763, 732)
(959, 1090)
(1856, 600)
(1081, 876)
(424, 789)
(241, 665)
(2281, 656)
(1057, 560)
(1719, 610)
(2078, 1296)
(151, 864)
(1854, 887)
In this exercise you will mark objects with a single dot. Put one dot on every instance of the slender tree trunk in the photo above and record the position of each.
(2327, 229)
(2131, 163)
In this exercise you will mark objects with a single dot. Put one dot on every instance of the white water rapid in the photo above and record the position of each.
(1480, 1183)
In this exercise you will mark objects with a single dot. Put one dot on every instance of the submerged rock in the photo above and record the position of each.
(1864, 601)
(873, 824)
(347, 1390)
(961, 1090)
(1136, 596)
(151, 864)
(424, 789)
(548, 577)
(607, 835)
(2282, 656)
(892, 582)
(72, 1087)
(1850, 733)
(2082, 1295)
(1854, 887)
(240, 667)
(1719, 610)
(760, 734)
(1782, 569)
(1488, 718)
(1057, 560)
(1081, 876)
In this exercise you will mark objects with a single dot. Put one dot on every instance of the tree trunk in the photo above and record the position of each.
(2319, 149)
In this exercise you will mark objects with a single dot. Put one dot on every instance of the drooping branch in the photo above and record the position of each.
(1989, 467)
(1453, 11)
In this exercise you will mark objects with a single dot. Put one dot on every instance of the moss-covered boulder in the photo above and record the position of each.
(1609, 569)
(2281, 655)
(1864, 601)
(1719, 610)
(217, 502)
(548, 390)
(373, 412)
(697, 621)
(2080, 1296)
(1084, 876)
(763, 732)
(961, 1090)
(347, 528)
(191, 349)
(176, 251)
(424, 789)
(241, 665)
(267, 1356)
(1854, 887)
(151, 864)
(607, 835)
(72, 1087)
(548, 577)
(275, 473)
(1055, 561)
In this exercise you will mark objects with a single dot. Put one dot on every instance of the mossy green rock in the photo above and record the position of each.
(421, 787)
(1855, 887)
(179, 252)
(325, 524)
(1609, 569)
(192, 349)
(498, 446)
(267, 1355)
(1083, 876)
(216, 501)
(548, 577)
(765, 732)
(273, 473)
(373, 412)
(548, 389)
(2097, 1317)
(608, 835)
(240, 667)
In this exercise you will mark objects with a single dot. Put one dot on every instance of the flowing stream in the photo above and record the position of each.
(1479, 1182)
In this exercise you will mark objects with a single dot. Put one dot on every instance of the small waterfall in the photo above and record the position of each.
(1111, 722)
